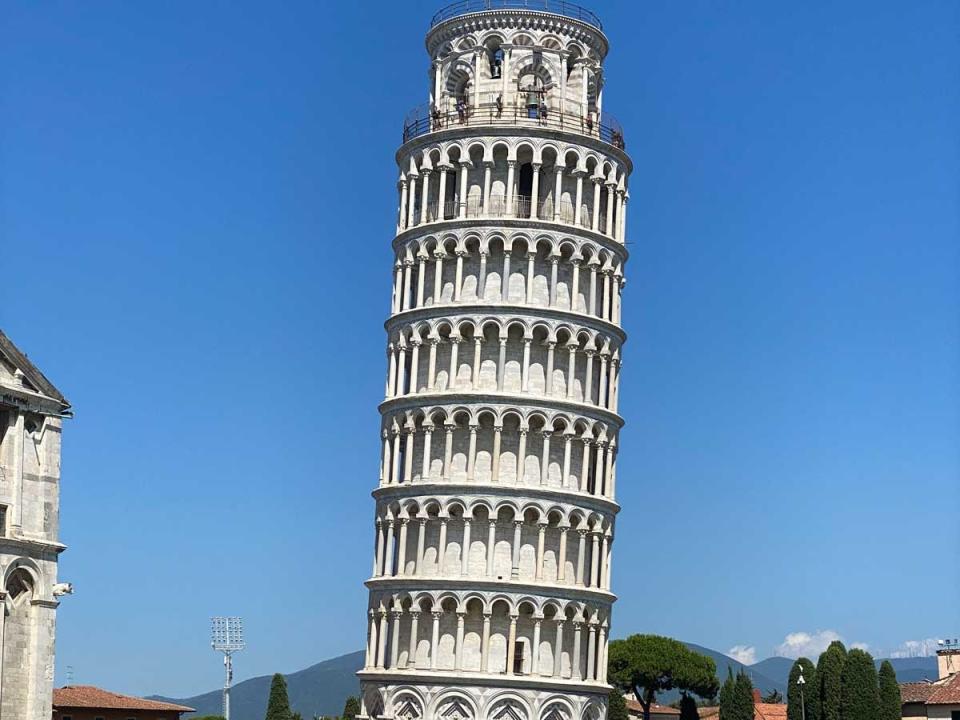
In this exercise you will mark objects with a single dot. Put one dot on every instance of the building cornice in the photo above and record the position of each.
(507, 310)
(490, 588)
(580, 500)
(21, 544)
(426, 677)
(477, 130)
(505, 225)
(504, 399)
(516, 19)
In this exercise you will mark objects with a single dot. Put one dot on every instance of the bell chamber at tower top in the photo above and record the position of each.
(524, 63)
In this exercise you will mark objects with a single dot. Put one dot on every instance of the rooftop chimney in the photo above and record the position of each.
(756, 696)
(948, 660)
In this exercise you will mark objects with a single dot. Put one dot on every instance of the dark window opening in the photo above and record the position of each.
(518, 658)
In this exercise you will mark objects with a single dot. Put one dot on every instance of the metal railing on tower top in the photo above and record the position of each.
(421, 120)
(557, 7)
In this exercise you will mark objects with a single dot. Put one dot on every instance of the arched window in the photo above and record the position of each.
(19, 586)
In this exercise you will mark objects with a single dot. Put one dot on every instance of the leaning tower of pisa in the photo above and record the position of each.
(490, 594)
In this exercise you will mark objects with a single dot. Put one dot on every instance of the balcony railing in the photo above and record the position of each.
(520, 208)
(557, 7)
(422, 120)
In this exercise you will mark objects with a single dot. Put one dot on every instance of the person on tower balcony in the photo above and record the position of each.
(543, 111)
(436, 117)
(499, 104)
(462, 110)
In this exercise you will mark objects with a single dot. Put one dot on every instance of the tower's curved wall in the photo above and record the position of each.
(496, 505)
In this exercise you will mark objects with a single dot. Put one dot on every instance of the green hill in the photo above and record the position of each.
(317, 690)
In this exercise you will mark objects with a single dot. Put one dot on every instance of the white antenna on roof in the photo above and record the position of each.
(227, 637)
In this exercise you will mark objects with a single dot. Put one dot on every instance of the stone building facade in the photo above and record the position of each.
(490, 594)
(31, 414)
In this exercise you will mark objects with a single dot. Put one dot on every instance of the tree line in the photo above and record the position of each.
(842, 686)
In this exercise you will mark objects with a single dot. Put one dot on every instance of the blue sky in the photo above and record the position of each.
(188, 192)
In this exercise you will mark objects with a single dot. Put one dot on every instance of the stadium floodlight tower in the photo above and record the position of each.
(227, 637)
(490, 596)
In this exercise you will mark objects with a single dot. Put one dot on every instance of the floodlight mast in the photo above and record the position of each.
(227, 637)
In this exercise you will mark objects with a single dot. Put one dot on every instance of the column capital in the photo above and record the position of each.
(436, 614)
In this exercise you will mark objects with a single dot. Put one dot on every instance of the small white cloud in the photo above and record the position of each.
(746, 654)
(859, 646)
(804, 644)
(915, 648)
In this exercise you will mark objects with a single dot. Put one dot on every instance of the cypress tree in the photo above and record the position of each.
(688, 708)
(743, 697)
(617, 706)
(810, 707)
(829, 678)
(860, 696)
(351, 708)
(278, 706)
(727, 711)
(891, 706)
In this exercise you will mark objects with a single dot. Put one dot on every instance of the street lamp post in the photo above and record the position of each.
(803, 711)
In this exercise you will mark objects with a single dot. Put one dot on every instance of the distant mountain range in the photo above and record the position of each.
(321, 689)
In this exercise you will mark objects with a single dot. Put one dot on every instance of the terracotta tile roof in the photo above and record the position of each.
(947, 692)
(635, 707)
(769, 711)
(761, 711)
(88, 696)
(916, 692)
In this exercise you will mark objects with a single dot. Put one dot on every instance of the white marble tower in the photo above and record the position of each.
(31, 416)
(490, 593)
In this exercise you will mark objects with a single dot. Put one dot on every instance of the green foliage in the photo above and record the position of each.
(278, 706)
(743, 697)
(648, 664)
(890, 704)
(830, 681)
(860, 695)
(296, 716)
(727, 693)
(351, 708)
(811, 697)
(774, 697)
(688, 708)
(617, 706)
